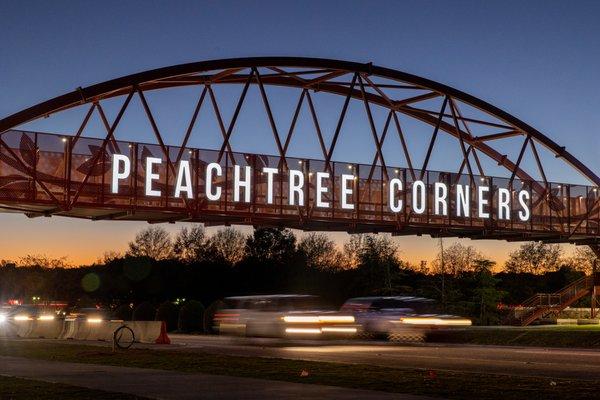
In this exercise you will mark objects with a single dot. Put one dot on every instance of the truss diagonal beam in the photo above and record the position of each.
(433, 138)
(372, 124)
(102, 149)
(220, 121)
(265, 99)
(340, 122)
(462, 142)
(191, 124)
(315, 120)
(404, 146)
(235, 115)
(161, 143)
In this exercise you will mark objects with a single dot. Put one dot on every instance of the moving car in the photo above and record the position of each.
(399, 318)
(90, 314)
(287, 315)
(27, 313)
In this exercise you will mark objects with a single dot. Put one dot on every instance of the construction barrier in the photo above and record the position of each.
(48, 329)
(588, 321)
(45, 329)
(10, 329)
(566, 321)
(144, 331)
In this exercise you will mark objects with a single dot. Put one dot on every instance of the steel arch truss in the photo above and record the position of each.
(39, 176)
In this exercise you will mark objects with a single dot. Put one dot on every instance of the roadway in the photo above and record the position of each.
(521, 361)
(173, 385)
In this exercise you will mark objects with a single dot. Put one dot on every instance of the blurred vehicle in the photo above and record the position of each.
(399, 318)
(28, 313)
(289, 315)
(5, 311)
(91, 314)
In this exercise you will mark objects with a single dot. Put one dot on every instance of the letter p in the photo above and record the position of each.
(117, 175)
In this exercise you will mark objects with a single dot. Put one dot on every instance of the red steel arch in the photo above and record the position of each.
(189, 74)
(367, 83)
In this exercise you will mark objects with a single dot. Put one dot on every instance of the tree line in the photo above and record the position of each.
(195, 265)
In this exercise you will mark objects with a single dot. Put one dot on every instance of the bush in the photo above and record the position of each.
(123, 312)
(168, 312)
(145, 311)
(191, 317)
(209, 316)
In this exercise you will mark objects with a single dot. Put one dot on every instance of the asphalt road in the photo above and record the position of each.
(523, 361)
(172, 385)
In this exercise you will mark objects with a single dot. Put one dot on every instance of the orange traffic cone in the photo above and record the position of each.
(163, 338)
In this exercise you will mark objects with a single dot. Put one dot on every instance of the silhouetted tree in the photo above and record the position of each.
(352, 251)
(153, 242)
(274, 245)
(486, 295)
(534, 258)
(107, 257)
(582, 259)
(43, 261)
(190, 244)
(457, 258)
(378, 264)
(226, 246)
(319, 251)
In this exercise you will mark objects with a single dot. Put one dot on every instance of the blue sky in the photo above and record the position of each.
(537, 60)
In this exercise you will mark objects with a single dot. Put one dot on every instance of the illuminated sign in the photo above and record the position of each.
(281, 184)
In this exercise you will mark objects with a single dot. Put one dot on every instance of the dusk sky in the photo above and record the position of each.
(538, 60)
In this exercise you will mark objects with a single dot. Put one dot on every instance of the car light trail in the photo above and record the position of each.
(308, 331)
(434, 321)
(305, 319)
(301, 319)
(336, 319)
(338, 330)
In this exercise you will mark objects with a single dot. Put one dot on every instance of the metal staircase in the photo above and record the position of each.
(543, 305)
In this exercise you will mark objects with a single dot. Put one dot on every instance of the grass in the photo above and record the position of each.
(447, 384)
(542, 336)
(24, 389)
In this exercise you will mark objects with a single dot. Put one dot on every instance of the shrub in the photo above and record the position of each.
(145, 311)
(191, 317)
(168, 312)
(123, 312)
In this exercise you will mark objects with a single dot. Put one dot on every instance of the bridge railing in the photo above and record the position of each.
(55, 172)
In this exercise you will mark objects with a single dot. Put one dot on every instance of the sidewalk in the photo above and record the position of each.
(159, 384)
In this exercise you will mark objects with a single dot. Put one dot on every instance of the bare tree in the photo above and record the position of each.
(227, 245)
(534, 258)
(582, 259)
(42, 260)
(108, 256)
(153, 242)
(352, 250)
(190, 244)
(456, 258)
(320, 251)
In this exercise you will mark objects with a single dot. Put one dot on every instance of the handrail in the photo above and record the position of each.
(540, 303)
